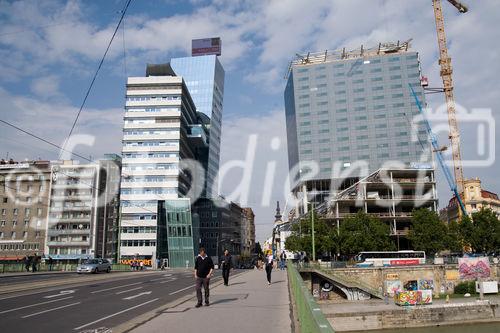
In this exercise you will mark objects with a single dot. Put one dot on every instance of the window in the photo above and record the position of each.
(340, 83)
(303, 78)
(376, 79)
(359, 99)
(305, 142)
(323, 112)
(358, 81)
(394, 68)
(25, 234)
(393, 59)
(306, 151)
(376, 70)
(305, 133)
(344, 148)
(378, 97)
(13, 234)
(398, 105)
(14, 223)
(360, 108)
(401, 144)
(379, 116)
(27, 212)
(378, 88)
(305, 123)
(4, 211)
(361, 147)
(360, 118)
(396, 86)
(395, 77)
(26, 223)
(359, 90)
(15, 211)
(343, 138)
(324, 150)
(324, 121)
(303, 96)
(302, 70)
(360, 128)
(341, 110)
(2, 223)
(362, 137)
(381, 126)
(322, 103)
(39, 212)
(5, 200)
(383, 155)
(324, 140)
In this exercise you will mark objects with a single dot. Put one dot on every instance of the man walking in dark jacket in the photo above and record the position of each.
(226, 262)
(203, 269)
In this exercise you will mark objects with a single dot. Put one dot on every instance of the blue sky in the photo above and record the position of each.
(49, 51)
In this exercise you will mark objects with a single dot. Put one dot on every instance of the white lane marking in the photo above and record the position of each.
(125, 285)
(168, 280)
(168, 274)
(139, 294)
(114, 314)
(61, 293)
(49, 310)
(128, 290)
(154, 280)
(180, 290)
(32, 305)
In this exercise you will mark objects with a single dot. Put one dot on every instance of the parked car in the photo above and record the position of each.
(94, 266)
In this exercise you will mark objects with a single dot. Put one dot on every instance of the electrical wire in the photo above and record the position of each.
(124, 11)
(42, 139)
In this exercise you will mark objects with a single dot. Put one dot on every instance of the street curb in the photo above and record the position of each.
(8, 275)
(145, 317)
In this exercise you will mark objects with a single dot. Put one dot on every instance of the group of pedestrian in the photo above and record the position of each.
(204, 268)
(31, 262)
(137, 265)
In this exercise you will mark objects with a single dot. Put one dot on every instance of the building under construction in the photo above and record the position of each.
(350, 116)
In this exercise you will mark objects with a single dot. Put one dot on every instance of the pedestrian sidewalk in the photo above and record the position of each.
(247, 305)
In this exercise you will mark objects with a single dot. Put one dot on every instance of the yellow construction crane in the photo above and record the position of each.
(446, 71)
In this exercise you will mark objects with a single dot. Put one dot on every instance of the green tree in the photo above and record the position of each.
(467, 233)
(301, 237)
(363, 232)
(454, 241)
(428, 233)
(486, 235)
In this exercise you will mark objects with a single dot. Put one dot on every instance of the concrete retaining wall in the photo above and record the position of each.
(450, 314)
(444, 277)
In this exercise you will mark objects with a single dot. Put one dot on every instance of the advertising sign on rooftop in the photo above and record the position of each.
(206, 46)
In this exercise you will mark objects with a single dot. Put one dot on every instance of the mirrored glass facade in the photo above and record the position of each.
(204, 77)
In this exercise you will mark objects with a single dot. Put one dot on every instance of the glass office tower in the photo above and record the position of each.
(204, 77)
(346, 108)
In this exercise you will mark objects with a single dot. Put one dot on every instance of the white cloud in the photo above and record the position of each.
(46, 87)
(236, 134)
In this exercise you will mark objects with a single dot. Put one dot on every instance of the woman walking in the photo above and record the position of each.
(269, 266)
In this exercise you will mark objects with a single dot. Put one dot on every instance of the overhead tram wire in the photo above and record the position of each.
(44, 140)
(124, 11)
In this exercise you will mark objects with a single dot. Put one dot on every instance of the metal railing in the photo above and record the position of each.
(309, 314)
(19, 268)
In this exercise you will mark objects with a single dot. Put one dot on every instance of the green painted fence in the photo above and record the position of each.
(310, 317)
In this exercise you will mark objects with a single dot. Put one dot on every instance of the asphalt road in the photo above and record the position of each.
(92, 304)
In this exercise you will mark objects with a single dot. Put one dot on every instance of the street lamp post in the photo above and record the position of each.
(312, 230)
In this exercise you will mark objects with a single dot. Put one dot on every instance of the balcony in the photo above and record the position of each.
(58, 232)
(68, 243)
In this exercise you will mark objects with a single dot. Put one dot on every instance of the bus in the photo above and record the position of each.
(390, 258)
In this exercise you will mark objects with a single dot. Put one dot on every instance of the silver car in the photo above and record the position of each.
(94, 266)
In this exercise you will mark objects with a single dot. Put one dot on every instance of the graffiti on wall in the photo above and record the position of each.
(473, 268)
(425, 284)
(413, 297)
(392, 286)
(411, 285)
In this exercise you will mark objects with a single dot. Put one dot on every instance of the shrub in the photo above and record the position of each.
(465, 287)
